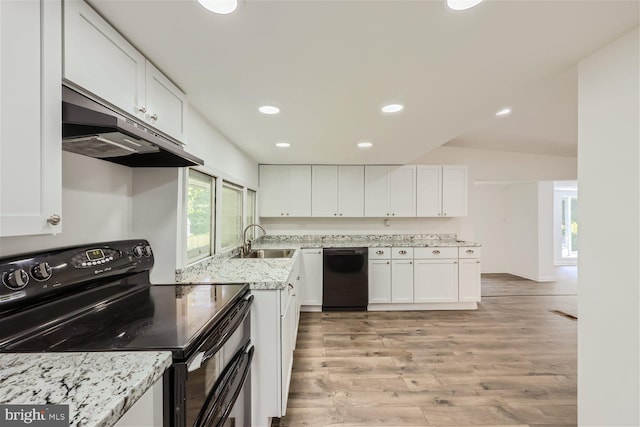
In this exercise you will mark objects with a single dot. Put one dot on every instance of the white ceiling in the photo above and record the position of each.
(330, 65)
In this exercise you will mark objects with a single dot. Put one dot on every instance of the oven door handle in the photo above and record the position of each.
(202, 356)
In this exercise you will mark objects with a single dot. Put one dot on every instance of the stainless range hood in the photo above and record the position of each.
(95, 130)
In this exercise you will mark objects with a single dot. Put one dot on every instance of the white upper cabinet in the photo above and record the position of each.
(454, 190)
(429, 194)
(30, 111)
(390, 191)
(285, 191)
(324, 190)
(166, 104)
(337, 191)
(441, 191)
(98, 59)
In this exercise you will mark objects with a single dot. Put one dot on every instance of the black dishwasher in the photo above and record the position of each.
(345, 279)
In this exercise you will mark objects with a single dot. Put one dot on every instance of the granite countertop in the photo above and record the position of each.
(273, 273)
(98, 387)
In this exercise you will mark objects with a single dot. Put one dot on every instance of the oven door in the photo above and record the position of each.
(207, 385)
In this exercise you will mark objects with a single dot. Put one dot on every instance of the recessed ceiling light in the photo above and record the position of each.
(462, 4)
(269, 109)
(365, 144)
(283, 145)
(392, 108)
(221, 7)
(504, 112)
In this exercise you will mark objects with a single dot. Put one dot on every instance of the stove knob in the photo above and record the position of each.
(138, 251)
(41, 271)
(147, 250)
(16, 279)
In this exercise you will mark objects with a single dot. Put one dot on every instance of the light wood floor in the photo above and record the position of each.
(511, 362)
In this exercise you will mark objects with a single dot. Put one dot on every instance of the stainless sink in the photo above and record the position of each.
(268, 253)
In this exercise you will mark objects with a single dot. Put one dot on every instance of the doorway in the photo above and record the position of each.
(566, 222)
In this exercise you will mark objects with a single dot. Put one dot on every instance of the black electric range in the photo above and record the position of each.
(98, 298)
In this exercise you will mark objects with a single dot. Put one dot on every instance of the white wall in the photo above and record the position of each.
(490, 172)
(609, 281)
(96, 206)
(522, 219)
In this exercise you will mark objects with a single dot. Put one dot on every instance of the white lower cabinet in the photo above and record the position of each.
(469, 274)
(402, 281)
(274, 325)
(311, 273)
(30, 111)
(435, 280)
(147, 411)
(379, 281)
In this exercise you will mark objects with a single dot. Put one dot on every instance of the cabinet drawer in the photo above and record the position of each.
(468, 252)
(402, 253)
(379, 253)
(435, 253)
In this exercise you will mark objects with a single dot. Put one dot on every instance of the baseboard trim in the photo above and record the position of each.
(311, 308)
(535, 279)
(424, 306)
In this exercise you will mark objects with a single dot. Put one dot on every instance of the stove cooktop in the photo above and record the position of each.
(123, 316)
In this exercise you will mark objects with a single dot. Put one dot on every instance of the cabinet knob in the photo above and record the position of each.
(436, 252)
(455, 262)
(287, 214)
(403, 252)
(54, 219)
(319, 252)
(439, 214)
(410, 262)
(142, 109)
(335, 214)
(477, 262)
(281, 214)
(290, 286)
(387, 262)
(393, 214)
(340, 214)
(469, 251)
(379, 252)
(445, 214)
(153, 117)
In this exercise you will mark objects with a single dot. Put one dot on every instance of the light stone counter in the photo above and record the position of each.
(98, 387)
(273, 273)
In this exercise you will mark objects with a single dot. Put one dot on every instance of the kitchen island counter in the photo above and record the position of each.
(99, 387)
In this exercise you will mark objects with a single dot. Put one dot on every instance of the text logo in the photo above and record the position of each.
(34, 415)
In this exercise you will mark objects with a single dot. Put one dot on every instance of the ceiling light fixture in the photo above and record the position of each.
(462, 4)
(221, 7)
(392, 108)
(283, 145)
(365, 144)
(504, 112)
(269, 109)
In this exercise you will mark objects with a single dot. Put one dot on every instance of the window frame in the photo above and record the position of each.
(213, 182)
(252, 232)
(241, 190)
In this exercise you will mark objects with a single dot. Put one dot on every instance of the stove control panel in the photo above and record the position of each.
(35, 274)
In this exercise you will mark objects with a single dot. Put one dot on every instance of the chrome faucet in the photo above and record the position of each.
(246, 244)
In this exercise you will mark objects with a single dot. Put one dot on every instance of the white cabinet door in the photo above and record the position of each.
(324, 191)
(286, 326)
(166, 104)
(376, 191)
(285, 191)
(298, 196)
(351, 191)
(379, 281)
(435, 280)
(429, 191)
(100, 60)
(272, 178)
(312, 277)
(402, 191)
(454, 191)
(469, 280)
(30, 111)
(402, 281)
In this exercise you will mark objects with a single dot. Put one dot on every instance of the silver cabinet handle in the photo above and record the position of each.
(403, 252)
(142, 109)
(54, 219)
(153, 117)
(436, 252)
(290, 286)
(469, 251)
(379, 252)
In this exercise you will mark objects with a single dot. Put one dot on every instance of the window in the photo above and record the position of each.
(569, 224)
(231, 221)
(200, 208)
(251, 213)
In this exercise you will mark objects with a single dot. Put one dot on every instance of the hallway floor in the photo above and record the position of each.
(511, 362)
